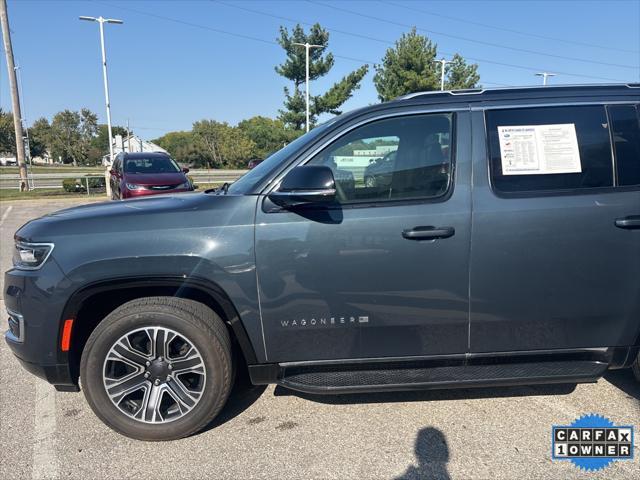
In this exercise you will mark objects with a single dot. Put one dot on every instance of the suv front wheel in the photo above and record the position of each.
(158, 368)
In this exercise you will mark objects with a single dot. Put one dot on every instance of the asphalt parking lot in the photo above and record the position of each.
(273, 433)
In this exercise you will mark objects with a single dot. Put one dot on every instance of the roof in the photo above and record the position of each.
(508, 93)
(134, 155)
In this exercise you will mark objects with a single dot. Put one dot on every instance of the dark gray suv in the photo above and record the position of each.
(504, 249)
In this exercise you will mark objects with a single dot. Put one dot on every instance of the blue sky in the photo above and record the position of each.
(170, 63)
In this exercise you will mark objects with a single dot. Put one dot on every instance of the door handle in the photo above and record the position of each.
(428, 233)
(631, 222)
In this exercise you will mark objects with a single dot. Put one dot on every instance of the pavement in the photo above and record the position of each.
(496, 433)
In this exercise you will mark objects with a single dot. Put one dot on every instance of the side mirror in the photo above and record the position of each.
(312, 184)
(185, 170)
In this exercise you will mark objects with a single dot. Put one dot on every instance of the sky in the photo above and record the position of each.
(175, 62)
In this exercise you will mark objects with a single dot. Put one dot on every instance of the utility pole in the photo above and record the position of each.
(15, 97)
(23, 121)
(101, 21)
(544, 76)
(307, 46)
(443, 64)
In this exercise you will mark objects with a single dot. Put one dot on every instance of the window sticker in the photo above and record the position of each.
(539, 149)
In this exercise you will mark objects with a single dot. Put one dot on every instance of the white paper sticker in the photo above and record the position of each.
(539, 149)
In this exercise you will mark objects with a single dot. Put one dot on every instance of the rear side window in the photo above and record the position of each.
(625, 131)
(549, 149)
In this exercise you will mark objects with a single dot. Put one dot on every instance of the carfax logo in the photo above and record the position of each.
(592, 442)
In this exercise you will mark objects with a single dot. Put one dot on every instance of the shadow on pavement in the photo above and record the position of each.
(625, 381)
(432, 395)
(243, 395)
(432, 455)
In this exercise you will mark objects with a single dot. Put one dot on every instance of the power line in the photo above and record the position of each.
(510, 30)
(466, 39)
(388, 42)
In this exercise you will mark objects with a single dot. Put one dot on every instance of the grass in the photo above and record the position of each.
(51, 169)
(15, 194)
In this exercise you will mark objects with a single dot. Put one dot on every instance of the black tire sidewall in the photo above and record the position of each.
(107, 333)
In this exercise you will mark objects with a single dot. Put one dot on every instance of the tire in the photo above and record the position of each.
(369, 182)
(120, 386)
(635, 368)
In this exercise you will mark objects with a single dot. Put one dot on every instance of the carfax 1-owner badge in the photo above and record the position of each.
(592, 442)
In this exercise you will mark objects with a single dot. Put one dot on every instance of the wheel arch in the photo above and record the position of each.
(90, 304)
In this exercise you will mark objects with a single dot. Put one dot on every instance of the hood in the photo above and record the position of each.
(152, 214)
(155, 178)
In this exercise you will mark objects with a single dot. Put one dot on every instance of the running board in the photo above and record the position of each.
(354, 378)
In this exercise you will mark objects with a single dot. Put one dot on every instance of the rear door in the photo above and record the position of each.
(343, 282)
(556, 247)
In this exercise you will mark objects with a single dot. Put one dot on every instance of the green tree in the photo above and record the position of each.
(71, 135)
(185, 148)
(267, 134)
(39, 137)
(460, 75)
(7, 133)
(227, 146)
(294, 69)
(410, 67)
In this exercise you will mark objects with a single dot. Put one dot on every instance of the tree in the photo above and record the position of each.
(410, 67)
(39, 137)
(294, 68)
(460, 75)
(71, 135)
(7, 133)
(185, 148)
(227, 146)
(267, 134)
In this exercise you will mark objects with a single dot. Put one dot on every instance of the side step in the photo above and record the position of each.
(419, 376)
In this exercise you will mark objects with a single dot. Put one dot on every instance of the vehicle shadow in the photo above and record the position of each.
(625, 381)
(431, 395)
(432, 455)
(242, 396)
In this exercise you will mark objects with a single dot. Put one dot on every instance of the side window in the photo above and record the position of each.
(549, 149)
(391, 159)
(625, 131)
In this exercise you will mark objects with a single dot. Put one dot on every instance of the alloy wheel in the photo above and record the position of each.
(154, 375)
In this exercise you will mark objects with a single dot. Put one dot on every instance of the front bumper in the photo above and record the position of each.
(143, 193)
(35, 301)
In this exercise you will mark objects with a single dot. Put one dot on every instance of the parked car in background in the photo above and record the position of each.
(254, 163)
(138, 174)
(378, 172)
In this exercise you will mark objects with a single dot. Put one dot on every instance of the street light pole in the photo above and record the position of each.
(101, 21)
(307, 46)
(443, 64)
(544, 76)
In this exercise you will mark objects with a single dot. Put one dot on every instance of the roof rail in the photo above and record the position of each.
(477, 91)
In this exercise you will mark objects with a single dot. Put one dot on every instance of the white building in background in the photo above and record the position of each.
(131, 144)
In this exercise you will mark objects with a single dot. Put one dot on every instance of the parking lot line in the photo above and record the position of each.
(6, 214)
(45, 461)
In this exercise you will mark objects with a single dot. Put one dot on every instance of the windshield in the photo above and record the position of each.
(151, 165)
(250, 179)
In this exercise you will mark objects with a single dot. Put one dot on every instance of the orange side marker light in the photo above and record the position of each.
(65, 343)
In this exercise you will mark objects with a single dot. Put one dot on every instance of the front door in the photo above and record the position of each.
(384, 271)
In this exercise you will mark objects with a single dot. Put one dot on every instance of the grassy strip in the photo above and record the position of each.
(60, 169)
(15, 194)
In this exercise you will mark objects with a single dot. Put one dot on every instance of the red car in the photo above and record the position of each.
(138, 174)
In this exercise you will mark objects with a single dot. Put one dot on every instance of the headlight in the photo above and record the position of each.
(133, 186)
(31, 256)
(184, 185)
